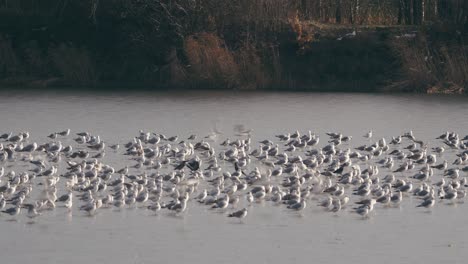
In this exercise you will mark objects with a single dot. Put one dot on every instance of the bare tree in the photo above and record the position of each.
(338, 12)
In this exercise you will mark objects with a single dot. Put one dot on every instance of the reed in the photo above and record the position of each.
(74, 64)
(211, 63)
(9, 63)
(432, 67)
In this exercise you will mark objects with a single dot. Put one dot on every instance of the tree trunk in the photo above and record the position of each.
(462, 13)
(407, 11)
(416, 12)
(443, 9)
(401, 11)
(411, 12)
(305, 9)
(357, 6)
(338, 12)
(423, 10)
(320, 8)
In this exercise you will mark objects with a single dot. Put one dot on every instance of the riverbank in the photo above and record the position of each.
(197, 50)
(397, 59)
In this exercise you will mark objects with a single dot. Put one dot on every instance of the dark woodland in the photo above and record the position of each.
(313, 45)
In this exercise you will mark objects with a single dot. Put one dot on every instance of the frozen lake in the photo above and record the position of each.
(270, 233)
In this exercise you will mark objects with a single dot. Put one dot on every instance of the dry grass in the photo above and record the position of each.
(212, 64)
(383, 15)
(418, 68)
(35, 60)
(74, 64)
(455, 60)
(252, 74)
(9, 63)
(433, 68)
(302, 36)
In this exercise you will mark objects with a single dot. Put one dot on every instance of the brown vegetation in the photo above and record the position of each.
(432, 67)
(252, 69)
(74, 64)
(212, 63)
(9, 63)
(242, 44)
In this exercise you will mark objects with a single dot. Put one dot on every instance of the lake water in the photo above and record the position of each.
(269, 234)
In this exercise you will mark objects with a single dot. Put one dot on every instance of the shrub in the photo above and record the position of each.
(9, 63)
(252, 73)
(432, 67)
(35, 60)
(74, 64)
(212, 64)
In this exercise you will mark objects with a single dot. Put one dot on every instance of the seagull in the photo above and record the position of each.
(64, 133)
(142, 197)
(239, 214)
(368, 135)
(66, 197)
(193, 164)
(13, 211)
(241, 130)
(29, 148)
(298, 206)
(249, 197)
(406, 188)
(438, 150)
(336, 206)
(285, 171)
(115, 147)
(427, 203)
(16, 138)
(32, 212)
(450, 196)
(6, 136)
(452, 173)
(222, 203)
(277, 197)
(181, 205)
(363, 211)
(369, 202)
(90, 207)
(201, 197)
(2, 202)
(154, 207)
(326, 202)
(442, 166)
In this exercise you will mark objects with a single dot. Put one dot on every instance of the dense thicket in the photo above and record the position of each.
(197, 43)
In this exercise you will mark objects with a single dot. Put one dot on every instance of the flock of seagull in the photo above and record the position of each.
(161, 173)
